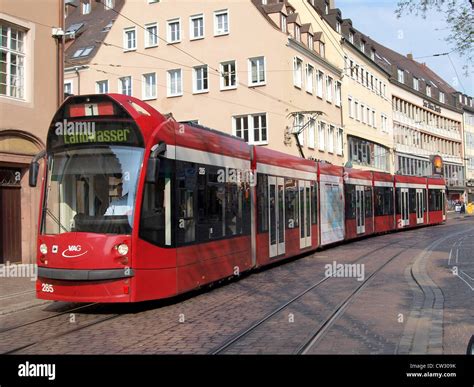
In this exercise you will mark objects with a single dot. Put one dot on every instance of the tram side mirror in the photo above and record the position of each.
(33, 175)
(153, 170)
(470, 346)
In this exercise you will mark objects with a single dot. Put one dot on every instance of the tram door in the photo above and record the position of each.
(419, 206)
(360, 209)
(305, 213)
(443, 203)
(276, 214)
(404, 220)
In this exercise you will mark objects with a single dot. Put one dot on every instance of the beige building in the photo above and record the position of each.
(30, 91)
(467, 104)
(197, 61)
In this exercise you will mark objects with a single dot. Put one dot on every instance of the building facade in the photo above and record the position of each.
(30, 91)
(467, 104)
(194, 60)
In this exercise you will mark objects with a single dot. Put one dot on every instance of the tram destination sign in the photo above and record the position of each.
(65, 133)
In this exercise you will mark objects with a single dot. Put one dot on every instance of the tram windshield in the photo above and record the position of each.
(92, 190)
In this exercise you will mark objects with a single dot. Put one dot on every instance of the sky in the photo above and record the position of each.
(410, 34)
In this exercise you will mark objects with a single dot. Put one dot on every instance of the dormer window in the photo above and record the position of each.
(86, 7)
(326, 8)
(338, 27)
(428, 90)
(283, 23)
(362, 46)
(322, 49)
(372, 54)
(297, 33)
(401, 76)
(351, 37)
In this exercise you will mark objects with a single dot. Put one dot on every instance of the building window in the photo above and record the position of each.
(320, 83)
(372, 54)
(309, 78)
(297, 33)
(340, 141)
(149, 86)
(362, 46)
(200, 79)
(338, 27)
(126, 85)
(428, 90)
(297, 72)
(310, 42)
(297, 126)
(102, 87)
(251, 128)
(257, 71)
(221, 23)
(175, 83)
(321, 135)
(283, 23)
(416, 84)
(12, 70)
(109, 4)
(322, 49)
(337, 91)
(174, 30)
(151, 35)
(311, 133)
(441, 97)
(196, 28)
(351, 37)
(356, 110)
(86, 7)
(130, 39)
(330, 138)
(350, 107)
(329, 86)
(68, 89)
(228, 75)
(374, 119)
(401, 76)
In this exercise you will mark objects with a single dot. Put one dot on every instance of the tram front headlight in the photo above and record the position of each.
(43, 248)
(122, 249)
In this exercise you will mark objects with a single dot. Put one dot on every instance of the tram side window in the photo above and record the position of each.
(292, 203)
(350, 201)
(155, 221)
(368, 201)
(383, 199)
(399, 201)
(435, 199)
(262, 202)
(186, 180)
(314, 203)
(412, 200)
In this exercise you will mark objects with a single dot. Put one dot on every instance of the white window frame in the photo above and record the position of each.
(197, 69)
(442, 97)
(322, 135)
(311, 133)
(357, 110)
(320, 80)
(216, 15)
(191, 27)
(147, 35)
(309, 78)
(428, 90)
(283, 23)
(169, 73)
(401, 76)
(330, 138)
(350, 104)
(153, 95)
(120, 81)
(169, 31)
(222, 84)
(329, 87)
(416, 84)
(258, 83)
(125, 38)
(297, 72)
(109, 4)
(338, 93)
(86, 7)
(251, 128)
(98, 86)
(71, 83)
(340, 142)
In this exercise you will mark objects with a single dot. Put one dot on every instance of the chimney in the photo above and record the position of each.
(410, 56)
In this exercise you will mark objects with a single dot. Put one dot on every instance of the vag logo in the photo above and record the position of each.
(73, 251)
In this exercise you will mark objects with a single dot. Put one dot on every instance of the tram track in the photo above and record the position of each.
(314, 336)
(254, 326)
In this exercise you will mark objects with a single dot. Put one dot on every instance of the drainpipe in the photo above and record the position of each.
(76, 69)
(60, 56)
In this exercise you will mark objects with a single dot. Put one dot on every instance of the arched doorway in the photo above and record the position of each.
(18, 202)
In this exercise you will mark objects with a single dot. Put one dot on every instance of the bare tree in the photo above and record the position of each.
(459, 18)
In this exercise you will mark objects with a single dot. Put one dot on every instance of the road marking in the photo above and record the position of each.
(467, 275)
(467, 283)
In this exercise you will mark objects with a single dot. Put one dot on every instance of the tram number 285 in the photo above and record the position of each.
(47, 288)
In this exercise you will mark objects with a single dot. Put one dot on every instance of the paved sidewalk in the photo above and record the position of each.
(17, 294)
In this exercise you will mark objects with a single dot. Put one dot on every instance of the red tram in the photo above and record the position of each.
(136, 206)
